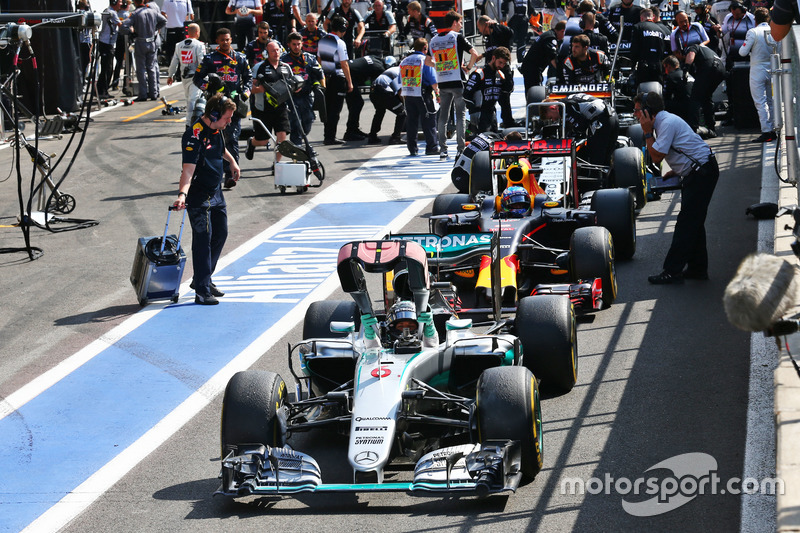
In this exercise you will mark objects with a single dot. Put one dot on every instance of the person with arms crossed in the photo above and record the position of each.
(200, 192)
(670, 139)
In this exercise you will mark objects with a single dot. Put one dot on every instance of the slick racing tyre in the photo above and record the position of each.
(545, 324)
(535, 94)
(447, 204)
(627, 164)
(480, 174)
(615, 212)
(592, 256)
(253, 410)
(317, 323)
(636, 135)
(508, 409)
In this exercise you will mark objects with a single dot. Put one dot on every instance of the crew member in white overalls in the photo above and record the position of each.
(760, 45)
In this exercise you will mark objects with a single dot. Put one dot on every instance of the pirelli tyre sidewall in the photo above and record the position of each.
(253, 410)
(508, 408)
(592, 257)
(545, 324)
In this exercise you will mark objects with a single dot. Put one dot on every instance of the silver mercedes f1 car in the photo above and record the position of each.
(429, 401)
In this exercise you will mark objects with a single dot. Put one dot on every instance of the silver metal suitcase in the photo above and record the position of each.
(158, 265)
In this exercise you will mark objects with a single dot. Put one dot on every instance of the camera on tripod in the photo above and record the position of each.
(278, 92)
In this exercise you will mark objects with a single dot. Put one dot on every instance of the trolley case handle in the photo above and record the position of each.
(166, 229)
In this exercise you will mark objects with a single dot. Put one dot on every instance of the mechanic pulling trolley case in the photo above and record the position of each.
(158, 265)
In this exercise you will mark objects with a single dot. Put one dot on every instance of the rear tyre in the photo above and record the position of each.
(545, 325)
(508, 408)
(592, 256)
(627, 164)
(535, 94)
(480, 174)
(253, 410)
(614, 208)
(447, 204)
(317, 323)
(636, 135)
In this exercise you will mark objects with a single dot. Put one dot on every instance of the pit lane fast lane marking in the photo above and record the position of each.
(169, 388)
(126, 346)
(140, 115)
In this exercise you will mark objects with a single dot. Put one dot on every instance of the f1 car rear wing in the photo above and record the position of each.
(598, 90)
(356, 258)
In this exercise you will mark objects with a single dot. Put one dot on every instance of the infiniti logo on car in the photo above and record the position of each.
(366, 458)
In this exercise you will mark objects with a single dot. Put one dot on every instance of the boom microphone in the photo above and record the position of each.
(68, 19)
(763, 290)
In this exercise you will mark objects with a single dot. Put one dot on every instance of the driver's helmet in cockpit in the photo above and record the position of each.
(515, 202)
(401, 320)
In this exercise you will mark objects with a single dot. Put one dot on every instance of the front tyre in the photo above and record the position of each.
(507, 398)
(592, 256)
(253, 411)
(545, 324)
(615, 212)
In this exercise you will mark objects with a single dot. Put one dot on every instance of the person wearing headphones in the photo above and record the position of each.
(669, 138)
(200, 192)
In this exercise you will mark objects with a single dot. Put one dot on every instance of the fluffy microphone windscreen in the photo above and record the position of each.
(763, 290)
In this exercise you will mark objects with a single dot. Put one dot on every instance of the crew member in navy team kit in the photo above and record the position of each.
(333, 58)
(671, 139)
(231, 67)
(200, 192)
(144, 23)
(305, 66)
(483, 90)
(255, 50)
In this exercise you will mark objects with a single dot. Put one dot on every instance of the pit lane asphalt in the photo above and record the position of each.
(662, 373)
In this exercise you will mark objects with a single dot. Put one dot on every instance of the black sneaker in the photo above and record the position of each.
(331, 142)
(230, 183)
(251, 149)
(353, 136)
(765, 137)
(214, 290)
(396, 139)
(205, 300)
(374, 139)
(140, 99)
(435, 151)
(665, 278)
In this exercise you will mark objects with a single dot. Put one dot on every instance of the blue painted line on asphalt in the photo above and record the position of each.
(60, 438)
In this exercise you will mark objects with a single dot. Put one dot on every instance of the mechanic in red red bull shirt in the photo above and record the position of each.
(200, 192)
(584, 65)
(232, 68)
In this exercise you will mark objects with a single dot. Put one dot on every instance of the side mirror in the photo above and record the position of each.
(343, 327)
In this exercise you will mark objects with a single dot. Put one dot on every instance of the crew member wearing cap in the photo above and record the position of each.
(670, 139)
(736, 25)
